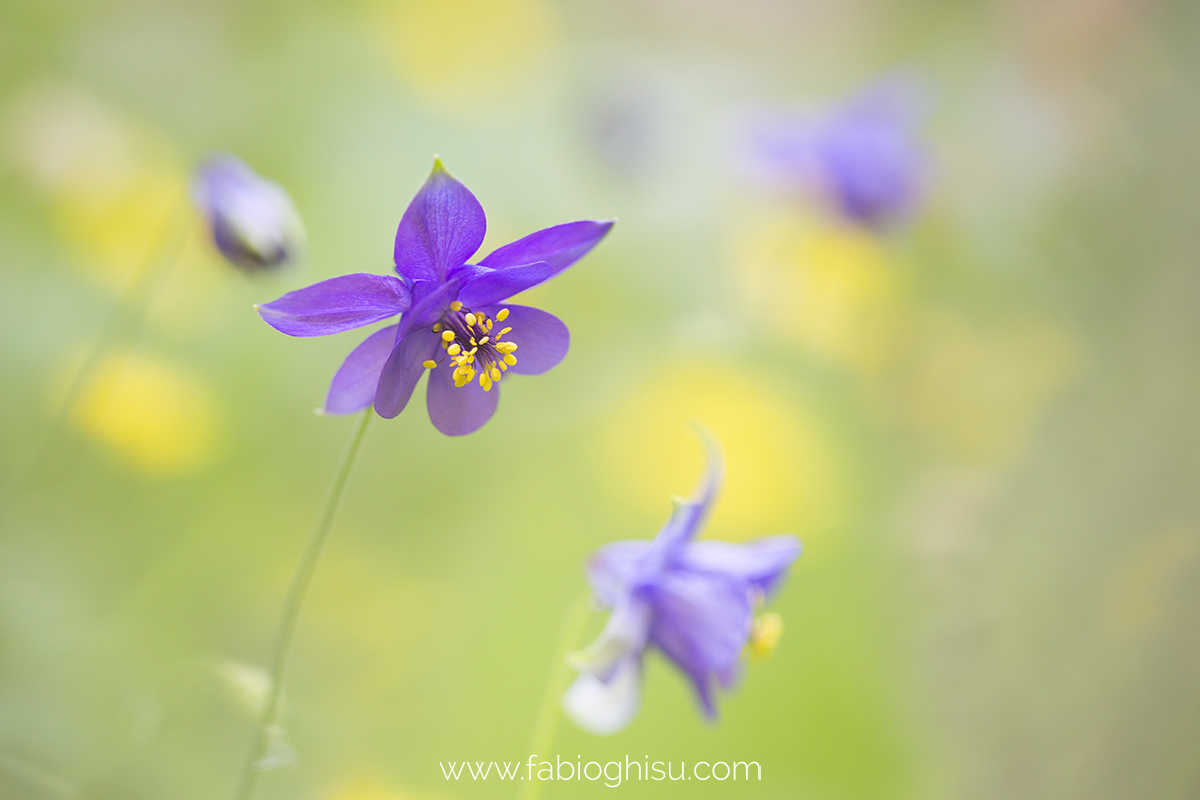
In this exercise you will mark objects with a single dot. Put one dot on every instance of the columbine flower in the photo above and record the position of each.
(694, 601)
(863, 156)
(454, 323)
(252, 220)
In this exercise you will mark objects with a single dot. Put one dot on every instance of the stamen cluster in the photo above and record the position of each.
(471, 347)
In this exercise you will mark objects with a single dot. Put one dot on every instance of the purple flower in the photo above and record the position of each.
(863, 156)
(454, 324)
(694, 601)
(252, 220)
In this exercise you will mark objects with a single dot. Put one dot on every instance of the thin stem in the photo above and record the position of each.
(286, 629)
(556, 683)
(127, 314)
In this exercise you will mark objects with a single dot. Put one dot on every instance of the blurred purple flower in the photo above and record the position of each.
(863, 156)
(252, 220)
(694, 601)
(453, 323)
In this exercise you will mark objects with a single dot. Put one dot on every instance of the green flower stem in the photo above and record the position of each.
(127, 315)
(556, 684)
(286, 630)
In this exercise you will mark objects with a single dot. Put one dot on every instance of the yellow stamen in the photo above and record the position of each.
(437, 326)
(487, 324)
(475, 343)
(486, 382)
(448, 336)
(495, 374)
(510, 359)
(504, 331)
(456, 306)
(484, 340)
(429, 364)
(470, 318)
(503, 366)
(502, 315)
(454, 349)
(764, 636)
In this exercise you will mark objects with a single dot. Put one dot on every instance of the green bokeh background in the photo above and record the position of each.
(987, 440)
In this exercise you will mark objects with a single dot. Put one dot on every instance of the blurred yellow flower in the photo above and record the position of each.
(979, 393)
(157, 416)
(459, 54)
(830, 290)
(783, 475)
(113, 185)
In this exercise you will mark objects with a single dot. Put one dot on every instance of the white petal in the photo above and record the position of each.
(605, 708)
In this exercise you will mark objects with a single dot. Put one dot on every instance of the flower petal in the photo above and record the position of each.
(253, 222)
(761, 564)
(606, 707)
(402, 370)
(701, 622)
(560, 246)
(625, 634)
(338, 304)
(442, 227)
(353, 387)
(493, 285)
(688, 515)
(542, 339)
(457, 411)
(612, 568)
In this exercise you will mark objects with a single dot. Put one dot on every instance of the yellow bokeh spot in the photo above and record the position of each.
(830, 291)
(157, 416)
(462, 53)
(113, 185)
(782, 473)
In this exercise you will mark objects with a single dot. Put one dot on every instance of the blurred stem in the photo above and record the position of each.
(128, 314)
(556, 684)
(286, 630)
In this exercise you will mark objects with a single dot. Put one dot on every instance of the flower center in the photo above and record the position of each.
(471, 347)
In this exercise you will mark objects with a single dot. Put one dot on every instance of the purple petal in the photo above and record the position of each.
(402, 370)
(429, 301)
(337, 304)
(761, 564)
(456, 411)
(353, 387)
(542, 339)
(612, 568)
(560, 246)
(442, 227)
(701, 622)
(493, 285)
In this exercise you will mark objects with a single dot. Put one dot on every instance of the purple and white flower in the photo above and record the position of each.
(863, 156)
(693, 601)
(454, 322)
(252, 220)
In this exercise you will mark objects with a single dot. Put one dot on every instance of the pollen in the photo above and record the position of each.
(430, 364)
(764, 636)
(489, 355)
(502, 315)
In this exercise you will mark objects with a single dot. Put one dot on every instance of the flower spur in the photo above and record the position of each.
(450, 309)
(694, 601)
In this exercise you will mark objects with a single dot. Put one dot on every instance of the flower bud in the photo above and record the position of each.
(252, 220)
